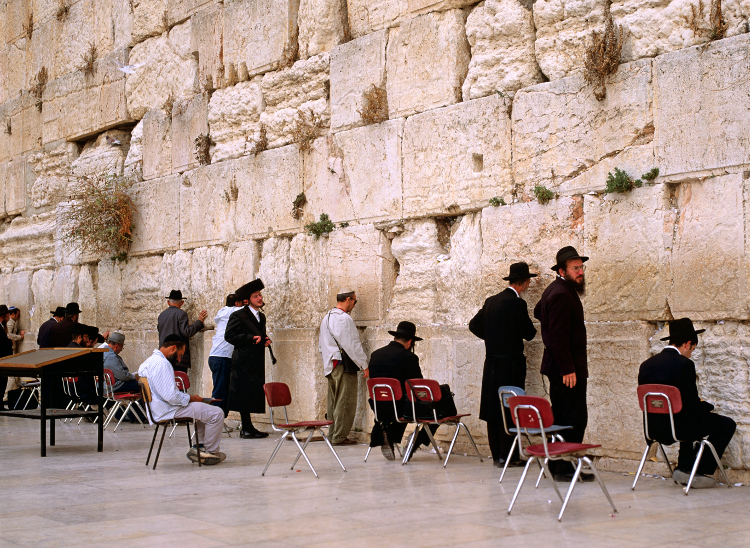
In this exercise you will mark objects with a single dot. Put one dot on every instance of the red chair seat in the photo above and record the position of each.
(305, 424)
(559, 448)
(454, 418)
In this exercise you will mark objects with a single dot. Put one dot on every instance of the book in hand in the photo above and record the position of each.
(209, 400)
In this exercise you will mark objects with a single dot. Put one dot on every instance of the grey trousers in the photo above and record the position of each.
(342, 403)
(210, 423)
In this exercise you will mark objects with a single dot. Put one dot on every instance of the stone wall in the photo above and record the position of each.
(484, 100)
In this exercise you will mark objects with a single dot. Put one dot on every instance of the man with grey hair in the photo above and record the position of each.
(125, 381)
(174, 321)
(338, 335)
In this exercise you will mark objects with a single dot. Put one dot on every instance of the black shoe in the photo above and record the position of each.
(253, 434)
(246, 435)
(585, 478)
(387, 448)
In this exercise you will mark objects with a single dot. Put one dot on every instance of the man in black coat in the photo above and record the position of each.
(673, 367)
(503, 323)
(174, 321)
(62, 333)
(564, 362)
(45, 330)
(6, 348)
(246, 330)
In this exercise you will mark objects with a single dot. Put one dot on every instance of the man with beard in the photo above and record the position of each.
(560, 313)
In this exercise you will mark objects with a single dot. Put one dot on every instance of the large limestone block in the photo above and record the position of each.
(355, 174)
(15, 186)
(700, 123)
(32, 129)
(109, 294)
(28, 242)
(188, 122)
(157, 144)
(290, 93)
(88, 22)
(709, 244)
(141, 300)
(624, 234)
(427, 61)
(134, 160)
(501, 35)
(41, 288)
(274, 271)
(21, 296)
(563, 30)
(267, 184)
(3, 184)
(233, 116)
(65, 289)
(206, 205)
(207, 30)
(179, 10)
(258, 33)
(122, 21)
(309, 280)
(156, 220)
(101, 157)
(242, 263)
(149, 19)
(208, 280)
(323, 24)
(169, 70)
(87, 294)
(355, 67)
(51, 168)
(366, 16)
(560, 130)
(174, 273)
(457, 155)
(139, 345)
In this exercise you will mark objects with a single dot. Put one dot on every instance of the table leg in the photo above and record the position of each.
(43, 413)
(100, 422)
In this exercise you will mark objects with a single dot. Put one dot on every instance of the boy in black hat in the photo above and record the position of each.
(503, 323)
(673, 367)
(62, 333)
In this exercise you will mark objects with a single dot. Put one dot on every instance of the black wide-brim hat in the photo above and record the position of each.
(406, 330)
(519, 271)
(682, 329)
(3, 309)
(59, 311)
(72, 308)
(565, 254)
(175, 295)
(249, 288)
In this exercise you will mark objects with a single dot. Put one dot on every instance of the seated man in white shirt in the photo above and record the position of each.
(167, 402)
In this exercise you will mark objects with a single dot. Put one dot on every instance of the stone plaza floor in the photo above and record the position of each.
(78, 497)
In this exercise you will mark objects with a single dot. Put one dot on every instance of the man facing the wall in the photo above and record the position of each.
(174, 321)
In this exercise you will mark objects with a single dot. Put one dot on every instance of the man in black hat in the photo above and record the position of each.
(564, 362)
(62, 333)
(673, 367)
(503, 323)
(246, 331)
(6, 347)
(43, 337)
(174, 321)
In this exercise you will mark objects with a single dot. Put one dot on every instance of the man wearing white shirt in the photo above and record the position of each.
(220, 356)
(337, 331)
(168, 403)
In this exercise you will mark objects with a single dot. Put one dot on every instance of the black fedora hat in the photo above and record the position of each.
(59, 312)
(565, 254)
(519, 271)
(175, 295)
(249, 288)
(682, 329)
(72, 308)
(3, 309)
(406, 330)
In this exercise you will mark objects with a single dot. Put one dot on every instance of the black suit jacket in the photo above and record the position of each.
(396, 362)
(43, 337)
(560, 312)
(248, 374)
(61, 333)
(6, 345)
(672, 368)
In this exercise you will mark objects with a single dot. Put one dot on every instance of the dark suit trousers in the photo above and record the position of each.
(569, 409)
(500, 442)
(721, 429)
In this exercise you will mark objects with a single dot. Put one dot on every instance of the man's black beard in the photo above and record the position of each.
(579, 287)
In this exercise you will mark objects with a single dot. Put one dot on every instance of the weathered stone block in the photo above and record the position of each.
(355, 67)
(88, 22)
(273, 269)
(267, 184)
(157, 144)
(87, 294)
(141, 299)
(41, 288)
(698, 102)
(20, 295)
(208, 281)
(355, 174)
(150, 18)
(323, 24)
(109, 294)
(308, 282)
(15, 186)
(501, 35)
(633, 160)
(207, 205)
(456, 156)
(32, 129)
(188, 122)
(427, 61)
(207, 30)
(51, 168)
(3, 185)
(560, 130)
(233, 116)
(122, 21)
(102, 156)
(366, 16)
(259, 33)
(156, 221)
(134, 160)
(243, 262)
(65, 289)
(179, 10)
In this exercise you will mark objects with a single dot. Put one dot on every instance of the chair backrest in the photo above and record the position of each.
(531, 412)
(277, 395)
(146, 395)
(182, 381)
(109, 383)
(505, 393)
(425, 391)
(385, 389)
(659, 399)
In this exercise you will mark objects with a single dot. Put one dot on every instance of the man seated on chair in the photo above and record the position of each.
(673, 367)
(125, 381)
(396, 360)
(168, 403)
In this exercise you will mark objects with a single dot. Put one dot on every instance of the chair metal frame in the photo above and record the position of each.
(146, 394)
(535, 413)
(429, 396)
(34, 388)
(118, 399)
(182, 381)
(290, 429)
(648, 395)
(391, 391)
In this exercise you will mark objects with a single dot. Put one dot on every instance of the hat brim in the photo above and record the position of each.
(583, 260)
(697, 332)
(405, 335)
(511, 278)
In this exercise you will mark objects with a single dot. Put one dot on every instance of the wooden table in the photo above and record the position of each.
(50, 365)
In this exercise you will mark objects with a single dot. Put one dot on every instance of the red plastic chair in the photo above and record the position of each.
(662, 399)
(119, 399)
(531, 412)
(385, 389)
(428, 391)
(278, 395)
(182, 381)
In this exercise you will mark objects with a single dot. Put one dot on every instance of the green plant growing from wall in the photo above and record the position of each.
(321, 227)
(651, 175)
(298, 204)
(621, 182)
(496, 201)
(543, 194)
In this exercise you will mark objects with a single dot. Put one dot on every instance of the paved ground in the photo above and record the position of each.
(78, 497)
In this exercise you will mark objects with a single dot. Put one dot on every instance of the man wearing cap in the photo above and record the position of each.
(564, 362)
(174, 321)
(43, 337)
(338, 332)
(246, 331)
(6, 347)
(125, 381)
(503, 323)
(673, 367)
(62, 333)
(220, 356)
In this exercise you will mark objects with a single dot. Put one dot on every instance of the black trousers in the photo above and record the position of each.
(569, 409)
(721, 429)
(500, 442)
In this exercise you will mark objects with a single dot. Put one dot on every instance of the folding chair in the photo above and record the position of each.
(428, 391)
(33, 387)
(182, 381)
(146, 395)
(534, 412)
(278, 395)
(118, 400)
(386, 389)
(505, 393)
(662, 399)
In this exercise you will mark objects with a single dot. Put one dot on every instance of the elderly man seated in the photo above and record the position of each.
(168, 403)
(125, 381)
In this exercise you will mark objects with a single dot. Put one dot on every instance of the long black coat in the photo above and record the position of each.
(563, 331)
(61, 333)
(43, 338)
(503, 323)
(672, 368)
(248, 374)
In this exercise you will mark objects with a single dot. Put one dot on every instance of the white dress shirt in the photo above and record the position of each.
(220, 347)
(165, 398)
(339, 324)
